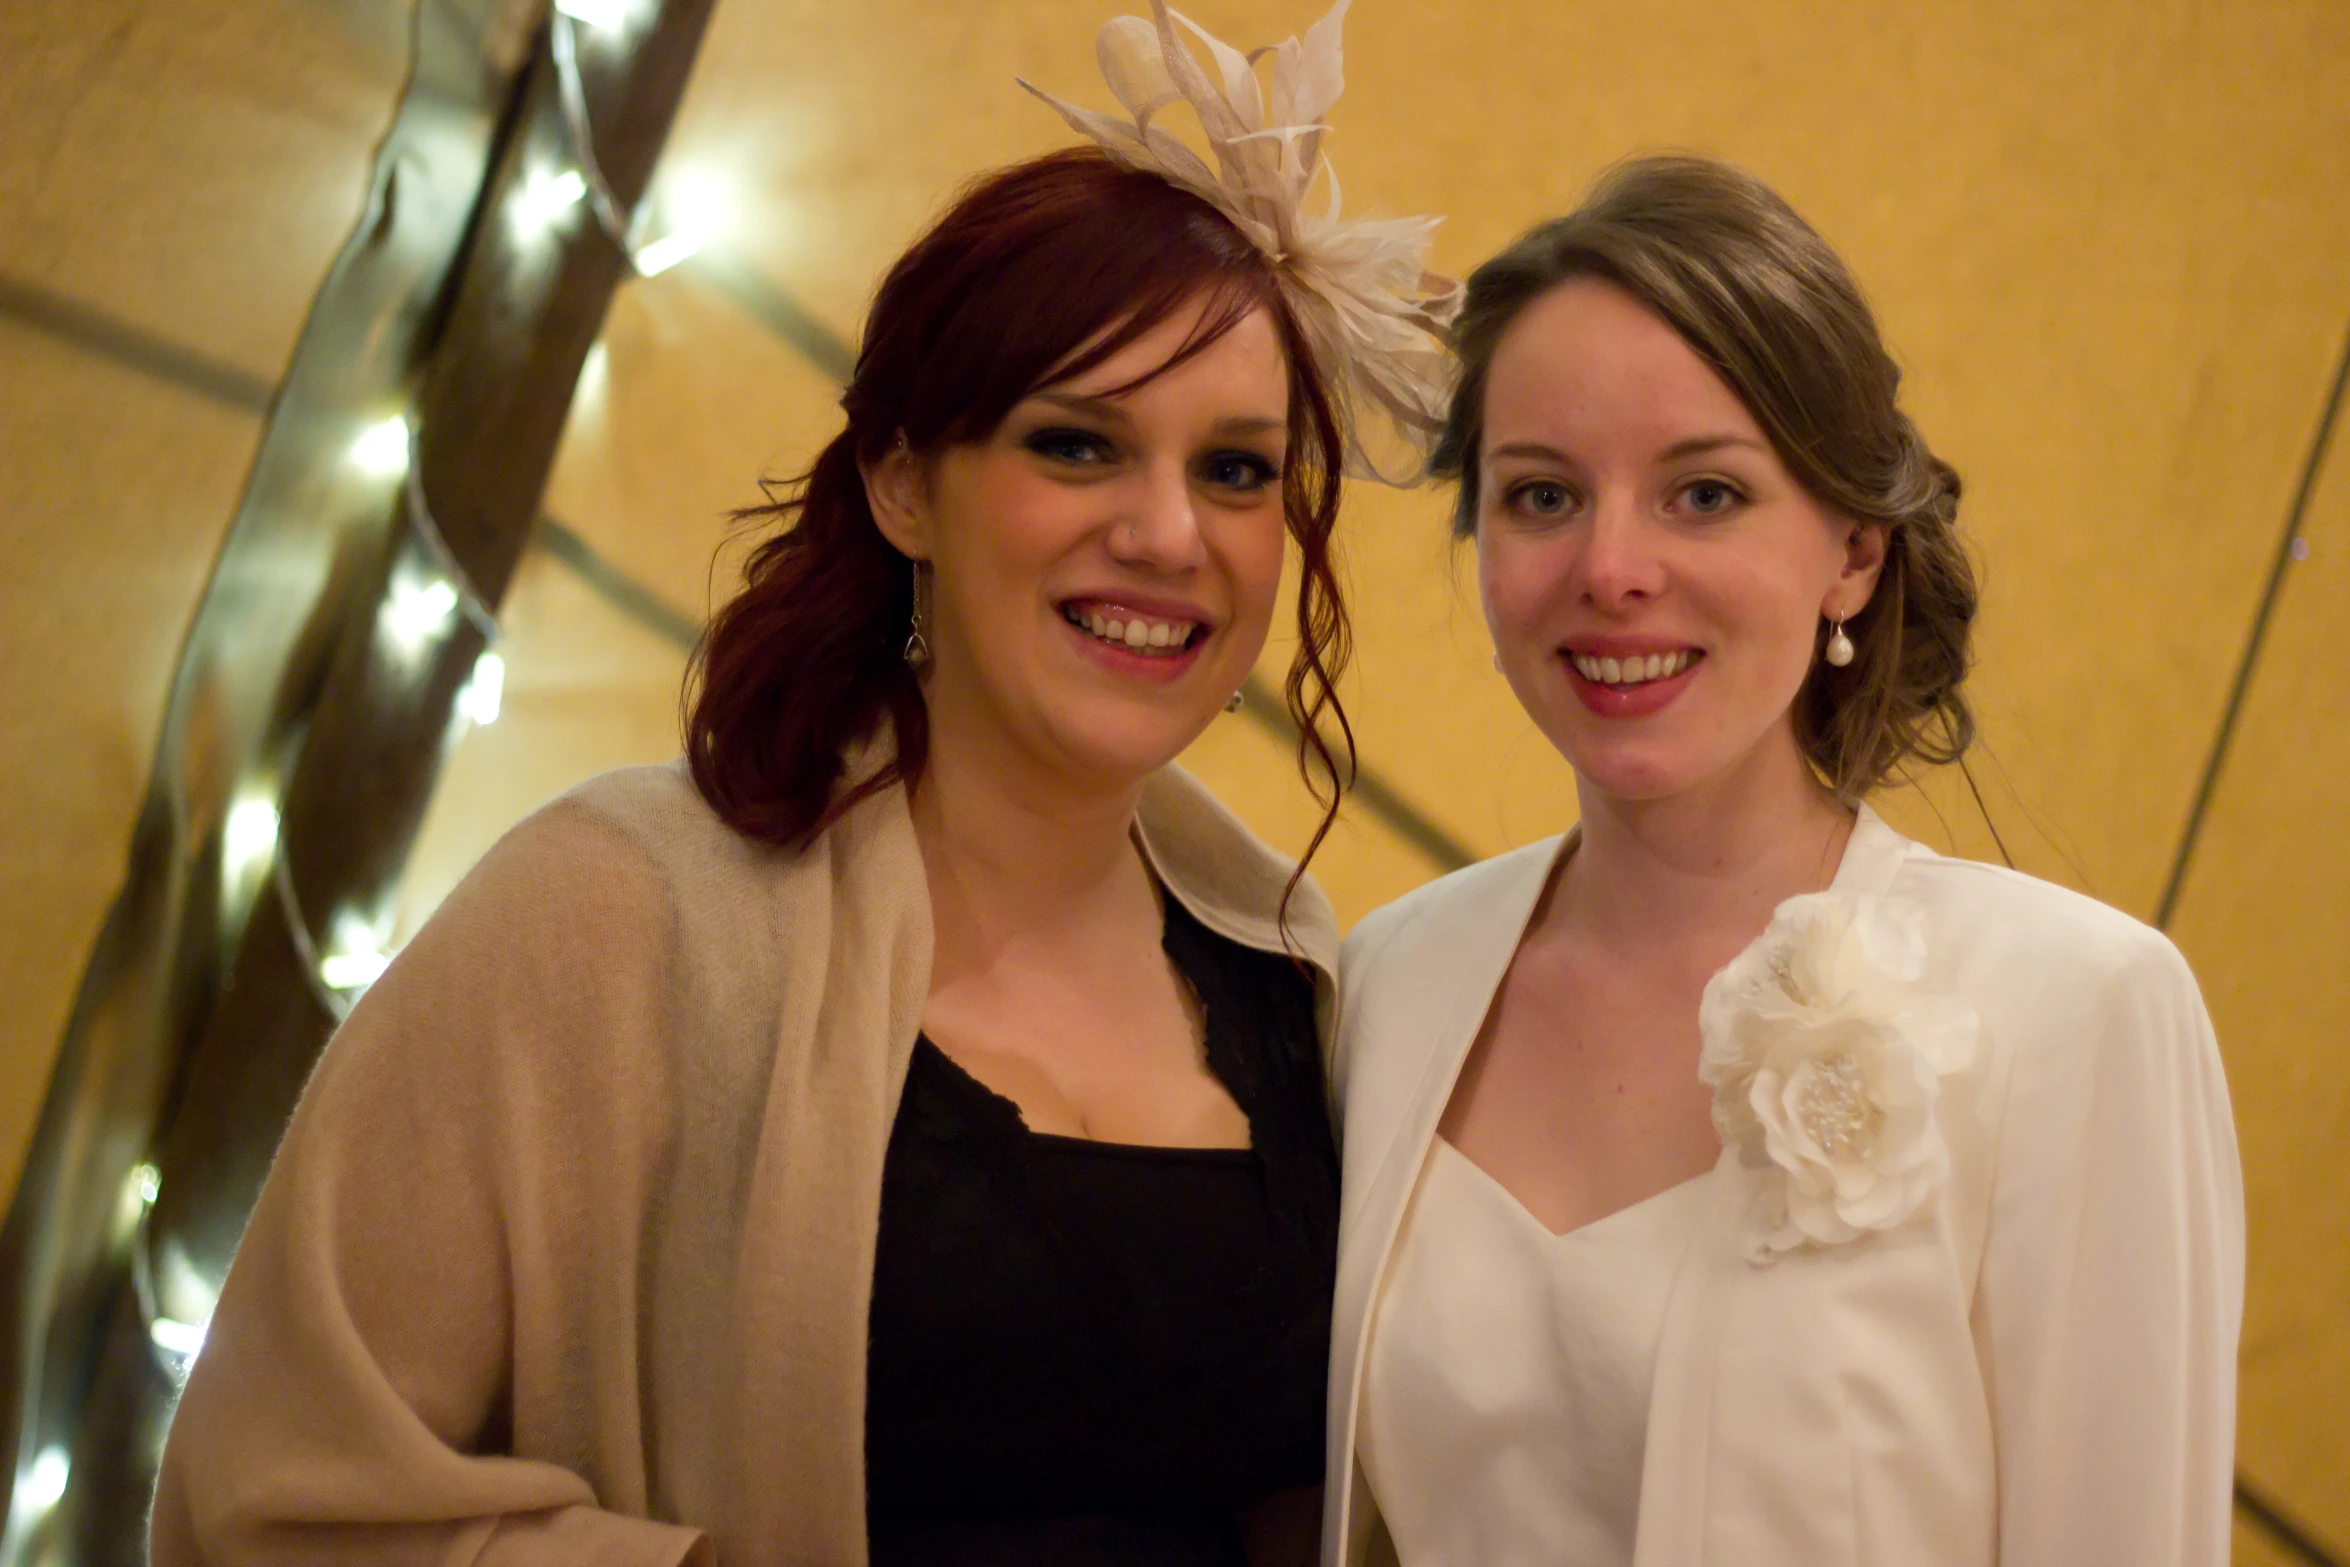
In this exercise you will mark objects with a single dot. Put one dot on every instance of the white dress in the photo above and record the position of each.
(1505, 1406)
(2035, 1368)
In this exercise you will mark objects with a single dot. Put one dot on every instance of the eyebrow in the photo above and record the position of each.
(1532, 449)
(1107, 408)
(1699, 445)
(1695, 446)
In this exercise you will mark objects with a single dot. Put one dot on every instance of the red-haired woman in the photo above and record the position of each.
(901, 1131)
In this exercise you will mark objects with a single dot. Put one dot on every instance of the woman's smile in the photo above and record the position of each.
(1614, 679)
(1149, 641)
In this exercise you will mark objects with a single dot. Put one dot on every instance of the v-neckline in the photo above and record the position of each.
(1557, 1239)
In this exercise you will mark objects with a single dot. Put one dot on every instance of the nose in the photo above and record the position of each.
(1158, 528)
(1620, 564)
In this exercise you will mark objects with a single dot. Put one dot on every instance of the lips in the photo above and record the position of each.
(1631, 670)
(1617, 679)
(1134, 630)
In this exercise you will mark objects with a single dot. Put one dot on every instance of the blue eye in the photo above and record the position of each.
(1711, 497)
(1542, 498)
(1063, 444)
(1238, 471)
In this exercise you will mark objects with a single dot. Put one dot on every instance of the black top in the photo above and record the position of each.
(1097, 1353)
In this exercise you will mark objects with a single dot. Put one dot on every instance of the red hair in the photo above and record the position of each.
(1038, 273)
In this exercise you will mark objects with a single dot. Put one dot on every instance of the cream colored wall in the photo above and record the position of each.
(2105, 239)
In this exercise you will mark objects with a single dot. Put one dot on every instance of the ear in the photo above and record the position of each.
(898, 494)
(1856, 577)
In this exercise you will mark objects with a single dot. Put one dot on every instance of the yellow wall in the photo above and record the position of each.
(2106, 240)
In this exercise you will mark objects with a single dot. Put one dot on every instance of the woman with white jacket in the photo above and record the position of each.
(1732, 1180)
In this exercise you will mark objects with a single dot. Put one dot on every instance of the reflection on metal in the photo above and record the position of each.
(199, 1016)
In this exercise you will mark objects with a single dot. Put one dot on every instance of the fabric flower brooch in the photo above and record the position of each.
(1825, 1056)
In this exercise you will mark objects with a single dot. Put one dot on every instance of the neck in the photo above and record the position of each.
(1010, 844)
(1706, 865)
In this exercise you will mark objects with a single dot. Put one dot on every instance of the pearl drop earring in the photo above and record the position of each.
(1839, 650)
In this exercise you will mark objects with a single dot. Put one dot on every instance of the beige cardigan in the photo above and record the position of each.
(592, 1178)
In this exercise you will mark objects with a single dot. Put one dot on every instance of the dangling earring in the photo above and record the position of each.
(1839, 650)
(917, 652)
(1232, 703)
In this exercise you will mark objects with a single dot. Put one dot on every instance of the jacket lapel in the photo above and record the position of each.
(1434, 994)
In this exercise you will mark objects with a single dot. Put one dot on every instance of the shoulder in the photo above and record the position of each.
(2001, 927)
(1232, 881)
(2079, 1007)
(1458, 906)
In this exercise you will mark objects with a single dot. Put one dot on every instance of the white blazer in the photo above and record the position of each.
(2036, 1370)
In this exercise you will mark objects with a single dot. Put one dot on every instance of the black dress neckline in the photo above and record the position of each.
(1062, 1142)
(1097, 1354)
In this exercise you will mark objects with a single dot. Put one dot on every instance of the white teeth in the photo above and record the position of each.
(1163, 637)
(1632, 671)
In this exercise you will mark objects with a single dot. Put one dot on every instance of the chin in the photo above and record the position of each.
(1633, 773)
(1122, 742)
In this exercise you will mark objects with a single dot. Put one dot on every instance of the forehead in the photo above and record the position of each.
(1244, 370)
(1588, 366)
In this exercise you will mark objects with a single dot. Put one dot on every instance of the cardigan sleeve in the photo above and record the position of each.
(2113, 1277)
(454, 1199)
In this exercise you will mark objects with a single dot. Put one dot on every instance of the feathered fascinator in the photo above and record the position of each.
(1372, 313)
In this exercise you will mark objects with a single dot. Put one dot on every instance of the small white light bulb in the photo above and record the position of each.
(173, 1337)
(658, 257)
(43, 1484)
(596, 13)
(482, 696)
(248, 837)
(352, 970)
(382, 449)
(416, 612)
(544, 198)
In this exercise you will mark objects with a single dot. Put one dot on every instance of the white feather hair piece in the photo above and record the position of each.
(1372, 313)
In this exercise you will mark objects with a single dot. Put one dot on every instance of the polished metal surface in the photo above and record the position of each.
(86, 1381)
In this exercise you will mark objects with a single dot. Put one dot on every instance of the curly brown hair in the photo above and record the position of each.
(1720, 258)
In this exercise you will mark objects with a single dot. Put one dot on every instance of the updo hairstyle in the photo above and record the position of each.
(1760, 297)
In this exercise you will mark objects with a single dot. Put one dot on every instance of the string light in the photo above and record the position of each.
(358, 958)
(483, 694)
(544, 198)
(382, 448)
(610, 15)
(626, 229)
(247, 838)
(43, 1484)
(658, 257)
(182, 1340)
(416, 612)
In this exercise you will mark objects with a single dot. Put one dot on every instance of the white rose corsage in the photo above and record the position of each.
(1825, 1055)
